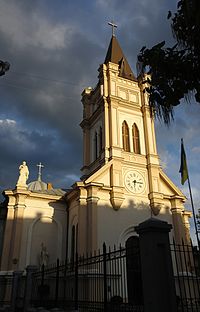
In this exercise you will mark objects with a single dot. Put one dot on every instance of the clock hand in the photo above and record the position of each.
(134, 181)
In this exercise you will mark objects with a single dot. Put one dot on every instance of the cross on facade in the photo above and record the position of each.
(40, 166)
(113, 25)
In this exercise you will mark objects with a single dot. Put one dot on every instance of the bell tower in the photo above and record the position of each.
(122, 181)
(117, 127)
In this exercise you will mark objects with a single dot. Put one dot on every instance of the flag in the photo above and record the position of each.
(183, 168)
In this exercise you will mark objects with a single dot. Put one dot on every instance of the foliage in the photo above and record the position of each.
(174, 71)
(4, 67)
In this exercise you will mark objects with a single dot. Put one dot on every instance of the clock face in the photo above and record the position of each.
(134, 182)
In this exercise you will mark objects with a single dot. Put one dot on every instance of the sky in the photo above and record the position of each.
(55, 48)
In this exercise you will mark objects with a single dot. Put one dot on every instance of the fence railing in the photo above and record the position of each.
(6, 282)
(108, 281)
(100, 282)
(186, 265)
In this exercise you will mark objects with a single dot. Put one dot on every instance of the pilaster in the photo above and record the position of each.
(117, 192)
(177, 210)
(82, 221)
(14, 228)
(8, 231)
(186, 216)
(92, 201)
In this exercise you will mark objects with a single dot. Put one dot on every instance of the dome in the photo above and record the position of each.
(37, 186)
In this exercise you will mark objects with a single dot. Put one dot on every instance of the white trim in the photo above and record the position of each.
(130, 231)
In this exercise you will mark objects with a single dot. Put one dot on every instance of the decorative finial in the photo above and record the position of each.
(113, 25)
(40, 166)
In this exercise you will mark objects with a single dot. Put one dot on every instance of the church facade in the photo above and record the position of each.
(35, 224)
(122, 182)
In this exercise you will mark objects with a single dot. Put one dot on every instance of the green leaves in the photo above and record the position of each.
(175, 71)
(169, 14)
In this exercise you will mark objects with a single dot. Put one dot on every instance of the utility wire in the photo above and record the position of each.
(27, 89)
(43, 78)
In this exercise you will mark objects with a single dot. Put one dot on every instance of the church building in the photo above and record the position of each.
(122, 182)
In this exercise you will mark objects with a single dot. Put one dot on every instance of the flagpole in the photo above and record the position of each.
(193, 211)
(185, 176)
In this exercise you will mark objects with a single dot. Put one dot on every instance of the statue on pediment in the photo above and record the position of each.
(23, 174)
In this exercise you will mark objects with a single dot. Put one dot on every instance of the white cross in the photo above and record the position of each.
(113, 27)
(40, 166)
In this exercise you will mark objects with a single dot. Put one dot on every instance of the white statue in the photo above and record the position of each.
(23, 174)
(44, 256)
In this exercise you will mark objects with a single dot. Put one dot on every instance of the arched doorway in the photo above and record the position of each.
(133, 267)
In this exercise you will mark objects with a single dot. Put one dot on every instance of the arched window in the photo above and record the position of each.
(136, 139)
(100, 140)
(95, 146)
(125, 137)
(73, 242)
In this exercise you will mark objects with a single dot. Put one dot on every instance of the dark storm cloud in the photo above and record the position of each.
(139, 23)
(34, 146)
(50, 65)
(55, 48)
(42, 99)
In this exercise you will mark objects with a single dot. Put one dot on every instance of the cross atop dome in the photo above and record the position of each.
(40, 166)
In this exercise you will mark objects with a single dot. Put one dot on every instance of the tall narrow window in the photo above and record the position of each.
(100, 140)
(136, 139)
(125, 137)
(76, 249)
(73, 242)
(95, 146)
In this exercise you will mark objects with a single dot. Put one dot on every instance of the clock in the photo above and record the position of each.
(134, 181)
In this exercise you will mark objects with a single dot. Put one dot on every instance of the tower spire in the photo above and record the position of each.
(115, 55)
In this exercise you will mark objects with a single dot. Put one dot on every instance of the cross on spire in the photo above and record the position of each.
(113, 25)
(40, 166)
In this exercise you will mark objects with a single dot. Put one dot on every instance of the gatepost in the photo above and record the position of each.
(17, 276)
(156, 266)
(30, 269)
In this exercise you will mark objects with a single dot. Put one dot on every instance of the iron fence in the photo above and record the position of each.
(186, 266)
(6, 282)
(107, 281)
(96, 283)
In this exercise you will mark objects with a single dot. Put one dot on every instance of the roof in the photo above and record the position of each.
(115, 55)
(37, 186)
(58, 192)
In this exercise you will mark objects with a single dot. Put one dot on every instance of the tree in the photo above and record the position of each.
(4, 67)
(174, 71)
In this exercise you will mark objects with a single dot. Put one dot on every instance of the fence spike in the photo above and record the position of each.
(104, 247)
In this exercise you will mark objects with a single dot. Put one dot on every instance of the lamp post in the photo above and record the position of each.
(4, 67)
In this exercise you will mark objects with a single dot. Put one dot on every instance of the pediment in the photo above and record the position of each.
(101, 176)
(168, 187)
